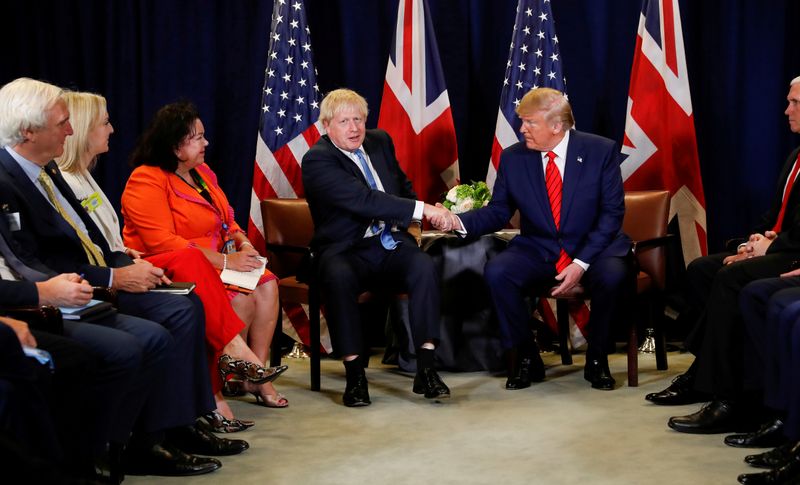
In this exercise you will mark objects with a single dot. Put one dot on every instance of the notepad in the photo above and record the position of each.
(94, 307)
(175, 288)
(244, 279)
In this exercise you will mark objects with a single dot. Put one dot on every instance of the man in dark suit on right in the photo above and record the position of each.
(715, 282)
(567, 187)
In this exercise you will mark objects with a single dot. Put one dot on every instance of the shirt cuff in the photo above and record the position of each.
(419, 207)
(461, 232)
(580, 263)
(110, 277)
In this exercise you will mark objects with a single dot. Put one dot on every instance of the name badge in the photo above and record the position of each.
(92, 202)
(13, 220)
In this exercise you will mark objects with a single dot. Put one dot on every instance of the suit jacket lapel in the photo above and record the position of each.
(378, 160)
(535, 178)
(573, 170)
(39, 203)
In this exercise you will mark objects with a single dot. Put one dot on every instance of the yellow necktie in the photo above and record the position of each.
(95, 255)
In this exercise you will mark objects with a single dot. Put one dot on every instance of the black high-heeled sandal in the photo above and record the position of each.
(247, 370)
(220, 424)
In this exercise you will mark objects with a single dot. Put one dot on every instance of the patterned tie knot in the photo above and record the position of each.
(552, 157)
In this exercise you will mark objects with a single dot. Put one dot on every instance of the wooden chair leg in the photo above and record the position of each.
(633, 355)
(657, 319)
(275, 347)
(562, 315)
(314, 336)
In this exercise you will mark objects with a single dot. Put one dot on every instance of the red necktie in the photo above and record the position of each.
(552, 180)
(786, 193)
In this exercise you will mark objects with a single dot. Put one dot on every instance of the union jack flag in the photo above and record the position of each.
(415, 108)
(287, 129)
(534, 61)
(659, 129)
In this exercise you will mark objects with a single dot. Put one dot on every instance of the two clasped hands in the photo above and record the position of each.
(444, 220)
(756, 245)
(441, 218)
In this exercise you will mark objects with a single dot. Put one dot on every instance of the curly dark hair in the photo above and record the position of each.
(167, 130)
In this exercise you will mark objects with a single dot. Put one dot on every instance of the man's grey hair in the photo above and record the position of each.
(23, 106)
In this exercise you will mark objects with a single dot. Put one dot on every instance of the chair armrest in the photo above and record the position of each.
(104, 293)
(733, 243)
(45, 318)
(415, 229)
(652, 243)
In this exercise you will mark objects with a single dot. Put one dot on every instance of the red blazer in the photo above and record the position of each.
(163, 213)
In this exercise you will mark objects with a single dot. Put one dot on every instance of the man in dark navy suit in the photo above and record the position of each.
(567, 187)
(362, 204)
(51, 229)
(715, 283)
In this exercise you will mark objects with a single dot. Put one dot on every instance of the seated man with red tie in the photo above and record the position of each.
(717, 339)
(567, 187)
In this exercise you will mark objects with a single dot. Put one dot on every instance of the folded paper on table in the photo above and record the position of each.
(244, 280)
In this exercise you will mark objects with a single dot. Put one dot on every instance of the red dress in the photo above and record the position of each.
(166, 219)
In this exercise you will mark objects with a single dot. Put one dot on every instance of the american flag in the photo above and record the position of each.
(415, 108)
(287, 129)
(289, 111)
(659, 130)
(534, 61)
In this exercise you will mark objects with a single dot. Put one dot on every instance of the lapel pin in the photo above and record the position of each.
(580, 159)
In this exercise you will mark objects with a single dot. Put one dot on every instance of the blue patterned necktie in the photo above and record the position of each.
(387, 241)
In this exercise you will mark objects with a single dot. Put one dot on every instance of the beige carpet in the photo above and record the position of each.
(557, 432)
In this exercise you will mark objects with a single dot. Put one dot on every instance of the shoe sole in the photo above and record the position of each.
(719, 430)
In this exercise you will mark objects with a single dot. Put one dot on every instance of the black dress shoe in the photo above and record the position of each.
(524, 369)
(428, 382)
(194, 439)
(769, 435)
(681, 391)
(774, 458)
(356, 394)
(787, 474)
(597, 373)
(166, 460)
(714, 417)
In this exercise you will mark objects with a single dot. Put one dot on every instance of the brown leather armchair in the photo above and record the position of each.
(288, 229)
(646, 214)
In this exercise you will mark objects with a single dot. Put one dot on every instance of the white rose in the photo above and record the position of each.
(451, 195)
(463, 206)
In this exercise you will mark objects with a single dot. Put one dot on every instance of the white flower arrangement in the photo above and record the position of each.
(466, 197)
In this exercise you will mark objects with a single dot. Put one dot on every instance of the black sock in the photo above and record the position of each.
(425, 359)
(353, 369)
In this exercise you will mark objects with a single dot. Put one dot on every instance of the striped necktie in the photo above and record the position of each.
(94, 255)
(387, 241)
(552, 180)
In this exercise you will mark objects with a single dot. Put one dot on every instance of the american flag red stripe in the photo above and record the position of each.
(415, 108)
(660, 139)
(287, 129)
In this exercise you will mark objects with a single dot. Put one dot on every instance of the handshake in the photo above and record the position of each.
(441, 218)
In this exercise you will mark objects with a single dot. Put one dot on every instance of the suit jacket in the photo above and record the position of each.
(342, 203)
(44, 237)
(163, 213)
(592, 206)
(789, 237)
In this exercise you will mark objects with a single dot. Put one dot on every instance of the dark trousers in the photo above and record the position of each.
(771, 311)
(45, 416)
(182, 389)
(717, 339)
(513, 274)
(368, 265)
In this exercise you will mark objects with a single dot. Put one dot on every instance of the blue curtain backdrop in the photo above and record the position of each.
(143, 54)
